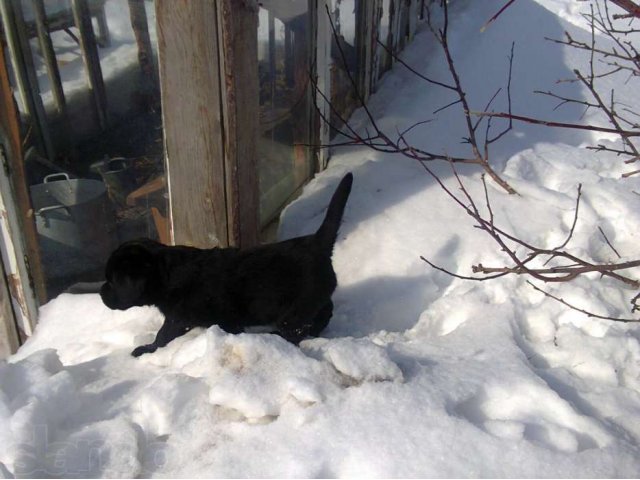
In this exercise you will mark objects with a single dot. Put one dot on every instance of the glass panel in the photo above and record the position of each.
(344, 60)
(284, 163)
(87, 89)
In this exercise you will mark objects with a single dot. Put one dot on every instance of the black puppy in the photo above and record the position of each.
(286, 284)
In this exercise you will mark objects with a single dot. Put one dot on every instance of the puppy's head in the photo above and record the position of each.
(133, 276)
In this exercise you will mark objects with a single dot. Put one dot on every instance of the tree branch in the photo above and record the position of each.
(577, 309)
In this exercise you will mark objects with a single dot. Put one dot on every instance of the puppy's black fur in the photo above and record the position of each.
(286, 284)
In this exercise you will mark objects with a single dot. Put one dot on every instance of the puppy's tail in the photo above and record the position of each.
(328, 231)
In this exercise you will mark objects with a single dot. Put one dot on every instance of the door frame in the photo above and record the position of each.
(18, 238)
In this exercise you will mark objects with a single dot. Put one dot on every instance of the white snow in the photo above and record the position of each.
(419, 374)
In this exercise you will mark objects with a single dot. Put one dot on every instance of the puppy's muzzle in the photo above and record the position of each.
(110, 299)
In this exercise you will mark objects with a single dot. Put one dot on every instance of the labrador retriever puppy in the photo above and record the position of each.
(286, 284)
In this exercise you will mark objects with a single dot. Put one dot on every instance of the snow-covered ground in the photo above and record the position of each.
(419, 374)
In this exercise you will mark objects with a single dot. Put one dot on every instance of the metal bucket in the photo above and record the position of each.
(75, 224)
(118, 178)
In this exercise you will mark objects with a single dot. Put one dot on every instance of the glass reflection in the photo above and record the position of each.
(85, 79)
(283, 67)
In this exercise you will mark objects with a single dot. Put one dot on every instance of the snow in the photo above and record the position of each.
(419, 374)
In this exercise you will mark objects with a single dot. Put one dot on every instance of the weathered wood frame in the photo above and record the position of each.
(20, 253)
(365, 44)
(49, 55)
(9, 337)
(91, 60)
(209, 85)
(238, 24)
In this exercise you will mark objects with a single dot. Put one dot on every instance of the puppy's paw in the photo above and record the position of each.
(142, 350)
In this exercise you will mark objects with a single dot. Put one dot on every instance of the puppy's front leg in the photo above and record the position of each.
(167, 332)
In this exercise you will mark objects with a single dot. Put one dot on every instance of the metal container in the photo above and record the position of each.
(118, 178)
(75, 224)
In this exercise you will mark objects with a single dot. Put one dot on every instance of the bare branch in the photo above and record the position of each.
(441, 37)
(500, 12)
(608, 242)
(630, 7)
(587, 313)
(575, 219)
(568, 272)
(461, 277)
(550, 123)
(411, 69)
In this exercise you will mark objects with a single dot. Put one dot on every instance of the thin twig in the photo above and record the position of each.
(570, 271)
(413, 70)
(608, 242)
(550, 123)
(493, 19)
(587, 313)
(575, 219)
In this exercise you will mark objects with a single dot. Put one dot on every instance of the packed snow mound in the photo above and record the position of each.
(556, 397)
(116, 416)
(419, 374)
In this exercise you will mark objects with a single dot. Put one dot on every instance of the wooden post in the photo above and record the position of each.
(191, 109)
(238, 23)
(91, 59)
(104, 36)
(46, 45)
(138, 15)
(364, 19)
(64, 139)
